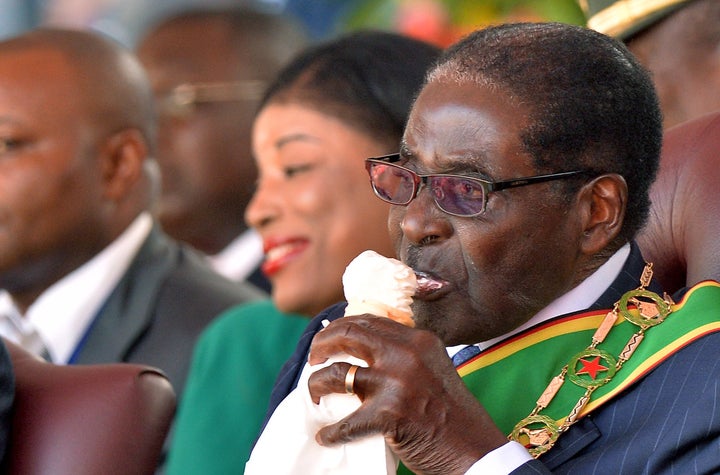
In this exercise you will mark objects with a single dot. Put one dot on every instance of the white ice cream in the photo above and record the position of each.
(379, 285)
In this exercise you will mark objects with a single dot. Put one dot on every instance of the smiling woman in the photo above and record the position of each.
(313, 207)
(331, 108)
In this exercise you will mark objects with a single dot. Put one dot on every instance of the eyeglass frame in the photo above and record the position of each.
(180, 100)
(487, 186)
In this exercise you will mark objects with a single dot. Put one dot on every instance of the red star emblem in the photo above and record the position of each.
(592, 367)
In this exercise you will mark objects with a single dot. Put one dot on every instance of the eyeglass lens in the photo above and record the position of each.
(453, 194)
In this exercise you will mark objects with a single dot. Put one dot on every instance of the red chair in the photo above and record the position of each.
(682, 236)
(87, 419)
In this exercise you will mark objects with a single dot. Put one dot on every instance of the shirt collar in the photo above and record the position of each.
(64, 311)
(239, 258)
(579, 298)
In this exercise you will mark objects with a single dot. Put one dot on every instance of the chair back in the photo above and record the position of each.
(87, 419)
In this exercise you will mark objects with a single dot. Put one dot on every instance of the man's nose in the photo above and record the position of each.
(423, 222)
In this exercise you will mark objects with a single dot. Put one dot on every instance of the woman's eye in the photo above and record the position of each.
(291, 171)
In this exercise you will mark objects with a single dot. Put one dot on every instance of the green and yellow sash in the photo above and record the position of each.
(508, 378)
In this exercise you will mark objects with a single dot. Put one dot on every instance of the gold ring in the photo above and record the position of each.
(350, 379)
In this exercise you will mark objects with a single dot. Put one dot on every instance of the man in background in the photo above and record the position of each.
(88, 276)
(208, 69)
(677, 40)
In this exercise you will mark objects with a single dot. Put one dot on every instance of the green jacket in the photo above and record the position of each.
(233, 370)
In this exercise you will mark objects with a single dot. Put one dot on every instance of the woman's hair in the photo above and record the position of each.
(366, 79)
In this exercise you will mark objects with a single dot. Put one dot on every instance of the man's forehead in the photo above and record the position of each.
(455, 124)
(45, 69)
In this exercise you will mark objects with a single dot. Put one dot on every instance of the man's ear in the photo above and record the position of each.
(123, 155)
(602, 201)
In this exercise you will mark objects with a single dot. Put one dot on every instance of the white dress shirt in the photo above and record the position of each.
(63, 313)
(510, 456)
(238, 260)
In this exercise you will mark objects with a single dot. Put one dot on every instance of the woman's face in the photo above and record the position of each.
(313, 206)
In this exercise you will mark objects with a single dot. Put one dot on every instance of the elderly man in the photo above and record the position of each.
(521, 182)
(88, 276)
(677, 40)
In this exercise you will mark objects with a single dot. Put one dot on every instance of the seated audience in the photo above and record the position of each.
(87, 274)
(208, 68)
(677, 40)
(521, 183)
(332, 106)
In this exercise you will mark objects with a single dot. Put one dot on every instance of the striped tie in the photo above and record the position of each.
(33, 342)
(15, 328)
(465, 354)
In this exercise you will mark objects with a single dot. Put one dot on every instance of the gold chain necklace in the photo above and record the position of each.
(538, 432)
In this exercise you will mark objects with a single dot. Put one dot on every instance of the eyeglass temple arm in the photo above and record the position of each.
(502, 185)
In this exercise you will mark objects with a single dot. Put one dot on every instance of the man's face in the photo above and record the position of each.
(204, 154)
(50, 182)
(495, 270)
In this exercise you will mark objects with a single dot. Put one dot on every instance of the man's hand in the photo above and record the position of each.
(411, 394)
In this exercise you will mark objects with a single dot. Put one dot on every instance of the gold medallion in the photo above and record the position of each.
(537, 433)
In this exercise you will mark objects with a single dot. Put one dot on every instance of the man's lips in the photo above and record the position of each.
(278, 253)
(430, 286)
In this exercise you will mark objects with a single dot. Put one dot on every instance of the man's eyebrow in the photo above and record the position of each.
(472, 163)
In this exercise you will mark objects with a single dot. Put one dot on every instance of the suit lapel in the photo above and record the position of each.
(129, 309)
(629, 278)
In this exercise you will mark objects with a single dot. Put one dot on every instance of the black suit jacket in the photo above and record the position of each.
(260, 280)
(668, 422)
(162, 303)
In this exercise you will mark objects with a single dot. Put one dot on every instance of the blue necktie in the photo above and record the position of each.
(465, 354)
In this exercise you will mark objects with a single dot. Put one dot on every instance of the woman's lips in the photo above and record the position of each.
(429, 286)
(279, 253)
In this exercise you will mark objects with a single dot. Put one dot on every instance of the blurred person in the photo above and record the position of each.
(681, 235)
(328, 109)
(208, 68)
(86, 273)
(677, 40)
(542, 343)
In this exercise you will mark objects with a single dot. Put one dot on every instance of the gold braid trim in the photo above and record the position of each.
(616, 18)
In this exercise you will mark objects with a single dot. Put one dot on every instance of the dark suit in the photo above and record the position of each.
(158, 309)
(260, 280)
(668, 422)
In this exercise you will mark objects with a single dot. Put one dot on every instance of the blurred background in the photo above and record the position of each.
(439, 21)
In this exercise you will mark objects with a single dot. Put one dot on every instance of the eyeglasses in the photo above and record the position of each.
(454, 194)
(181, 100)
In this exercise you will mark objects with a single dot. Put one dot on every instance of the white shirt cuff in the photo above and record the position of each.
(502, 460)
